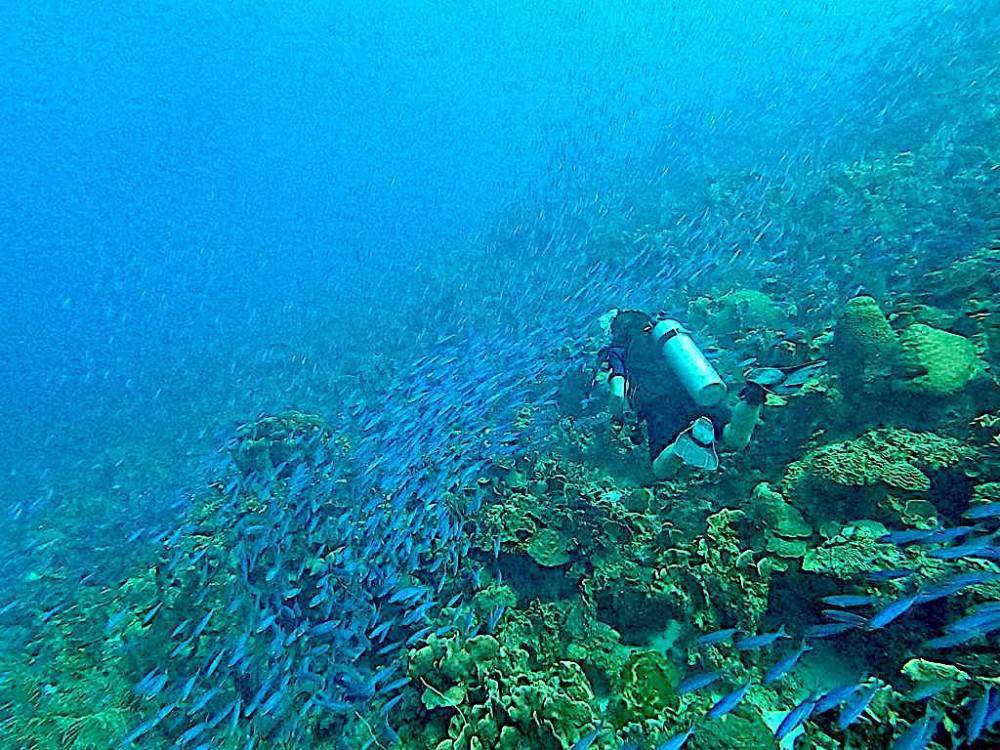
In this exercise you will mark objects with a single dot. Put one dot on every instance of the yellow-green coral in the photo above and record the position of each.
(740, 309)
(852, 551)
(948, 361)
(646, 689)
(548, 548)
(894, 457)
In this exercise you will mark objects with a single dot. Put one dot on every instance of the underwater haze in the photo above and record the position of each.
(337, 406)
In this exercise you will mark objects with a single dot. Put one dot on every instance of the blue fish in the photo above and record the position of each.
(977, 715)
(891, 612)
(985, 510)
(115, 620)
(851, 618)
(586, 741)
(950, 640)
(926, 690)
(828, 629)
(979, 547)
(203, 700)
(187, 688)
(140, 730)
(856, 706)
(677, 741)
(892, 574)
(794, 718)
(694, 682)
(943, 535)
(324, 628)
(728, 702)
(394, 685)
(751, 642)
(834, 698)
(266, 623)
(784, 665)
(918, 734)
(905, 537)
(953, 584)
(848, 600)
(982, 622)
(391, 704)
(992, 717)
(719, 636)
(271, 703)
(191, 733)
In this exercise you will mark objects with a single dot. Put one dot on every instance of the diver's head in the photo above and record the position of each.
(629, 324)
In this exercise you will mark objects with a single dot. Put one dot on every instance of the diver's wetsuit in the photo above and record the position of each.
(654, 391)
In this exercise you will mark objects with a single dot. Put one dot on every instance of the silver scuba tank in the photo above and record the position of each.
(695, 372)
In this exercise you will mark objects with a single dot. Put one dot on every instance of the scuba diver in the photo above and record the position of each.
(659, 376)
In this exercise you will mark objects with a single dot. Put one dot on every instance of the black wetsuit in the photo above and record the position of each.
(654, 392)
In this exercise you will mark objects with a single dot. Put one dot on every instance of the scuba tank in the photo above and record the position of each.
(695, 372)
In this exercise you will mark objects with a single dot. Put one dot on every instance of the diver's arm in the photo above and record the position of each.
(745, 416)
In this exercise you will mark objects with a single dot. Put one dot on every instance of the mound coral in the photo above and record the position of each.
(740, 309)
(646, 689)
(948, 361)
(852, 551)
(865, 350)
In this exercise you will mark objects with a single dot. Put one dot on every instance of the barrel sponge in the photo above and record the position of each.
(948, 361)
(865, 347)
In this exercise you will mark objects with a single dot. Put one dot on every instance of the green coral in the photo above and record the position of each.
(647, 688)
(548, 548)
(896, 458)
(739, 310)
(948, 361)
(493, 696)
(780, 516)
(865, 349)
(271, 440)
(852, 551)
(745, 729)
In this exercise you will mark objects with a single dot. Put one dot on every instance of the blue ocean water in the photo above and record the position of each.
(403, 217)
(189, 184)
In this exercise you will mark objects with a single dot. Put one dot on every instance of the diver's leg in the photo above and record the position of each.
(745, 416)
(662, 426)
